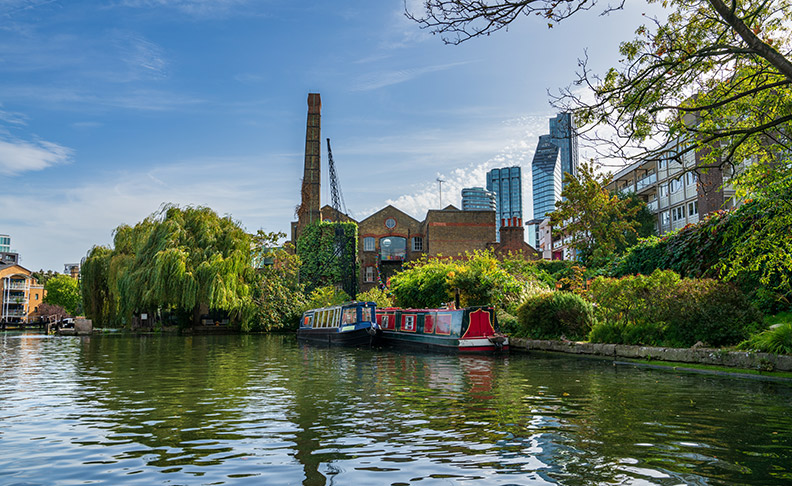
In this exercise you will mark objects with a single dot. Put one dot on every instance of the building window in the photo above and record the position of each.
(393, 248)
(676, 184)
(661, 164)
(665, 218)
(663, 190)
(368, 243)
(390, 223)
(690, 178)
(369, 274)
(417, 243)
(678, 213)
(693, 208)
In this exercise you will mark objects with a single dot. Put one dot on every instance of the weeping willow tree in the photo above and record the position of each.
(185, 261)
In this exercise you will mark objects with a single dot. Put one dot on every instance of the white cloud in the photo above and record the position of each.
(198, 8)
(17, 156)
(388, 78)
(64, 221)
(513, 143)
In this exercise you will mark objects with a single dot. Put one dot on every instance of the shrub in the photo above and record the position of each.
(424, 284)
(777, 340)
(662, 309)
(507, 322)
(326, 296)
(555, 315)
(379, 297)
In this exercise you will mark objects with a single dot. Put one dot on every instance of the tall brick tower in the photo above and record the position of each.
(309, 210)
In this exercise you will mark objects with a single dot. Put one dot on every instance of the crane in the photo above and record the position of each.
(336, 198)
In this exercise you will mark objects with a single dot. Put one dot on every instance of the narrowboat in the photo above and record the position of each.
(472, 329)
(351, 323)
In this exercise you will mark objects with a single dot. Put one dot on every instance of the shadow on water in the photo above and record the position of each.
(253, 409)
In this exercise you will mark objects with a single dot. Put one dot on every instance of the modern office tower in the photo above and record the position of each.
(563, 133)
(478, 199)
(506, 183)
(5, 244)
(546, 171)
(556, 154)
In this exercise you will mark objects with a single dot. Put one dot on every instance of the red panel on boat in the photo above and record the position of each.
(480, 325)
(428, 324)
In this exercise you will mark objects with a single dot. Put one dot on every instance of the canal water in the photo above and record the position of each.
(173, 410)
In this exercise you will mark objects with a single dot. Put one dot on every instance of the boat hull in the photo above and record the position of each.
(358, 337)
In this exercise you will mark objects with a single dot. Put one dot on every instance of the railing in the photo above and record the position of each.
(17, 286)
(646, 181)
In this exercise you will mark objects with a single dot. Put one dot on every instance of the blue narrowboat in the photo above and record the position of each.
(472, 329)
(351, 324)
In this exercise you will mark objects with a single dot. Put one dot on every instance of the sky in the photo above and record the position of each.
(108, 110)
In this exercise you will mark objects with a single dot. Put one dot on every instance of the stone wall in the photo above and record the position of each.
(706, 356)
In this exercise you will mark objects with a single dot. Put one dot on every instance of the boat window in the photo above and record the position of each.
(307, 321)
(443, 325)
(350, 315)
(325, 318)
(429, 323)
(408, 323)
(366, 314)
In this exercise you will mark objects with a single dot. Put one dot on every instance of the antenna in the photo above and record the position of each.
(440, 188)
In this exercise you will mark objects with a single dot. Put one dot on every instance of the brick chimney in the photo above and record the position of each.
(309, 210)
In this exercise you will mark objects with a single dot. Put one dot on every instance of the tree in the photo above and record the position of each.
(43, 277)
(64, 291)
(178, 260)
(51, 312)
(643, 216)
(714, 76)
(279, 297)
(595, 221)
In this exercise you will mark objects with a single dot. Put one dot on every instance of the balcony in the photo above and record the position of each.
(17, 285)
(646, 182)
(652, 205)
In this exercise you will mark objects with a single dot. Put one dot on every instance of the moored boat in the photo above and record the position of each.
(472, 329)
(352, 324)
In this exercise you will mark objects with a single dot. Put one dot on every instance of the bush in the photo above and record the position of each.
(777, 340)
(326, 296)
(507, 322)
(665, 310)
(555, 315)
(379, 297)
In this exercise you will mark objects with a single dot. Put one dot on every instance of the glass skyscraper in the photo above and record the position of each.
(556, 154)
(506, 183)
(564, 134)
(478, 199)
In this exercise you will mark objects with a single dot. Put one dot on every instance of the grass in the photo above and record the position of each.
(778, 340)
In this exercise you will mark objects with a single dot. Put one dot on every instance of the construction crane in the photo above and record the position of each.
(343, 251)
(336, 198)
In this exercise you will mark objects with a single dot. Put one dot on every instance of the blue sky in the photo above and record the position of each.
(109, 109)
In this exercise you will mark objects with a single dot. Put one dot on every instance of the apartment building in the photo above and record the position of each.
(21, 293)
(675, 189)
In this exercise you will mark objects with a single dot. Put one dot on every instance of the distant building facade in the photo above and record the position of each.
(72, 270)
(675, 191)
(390, 237)
(506, 183)
(21, 292)
(478, 199)
(5, 244)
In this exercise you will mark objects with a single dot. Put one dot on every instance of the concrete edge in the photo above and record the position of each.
(706, 356)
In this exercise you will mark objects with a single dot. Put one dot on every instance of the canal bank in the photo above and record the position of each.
(697, 355)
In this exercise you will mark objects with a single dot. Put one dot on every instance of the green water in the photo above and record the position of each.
(173, 410)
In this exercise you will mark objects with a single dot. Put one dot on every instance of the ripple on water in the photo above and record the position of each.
(262, 409)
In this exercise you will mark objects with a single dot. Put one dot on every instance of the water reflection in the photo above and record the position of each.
(263, 409)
